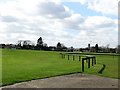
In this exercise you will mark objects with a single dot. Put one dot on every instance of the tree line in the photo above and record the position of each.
(29, 45)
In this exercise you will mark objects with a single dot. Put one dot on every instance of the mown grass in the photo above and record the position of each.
(24, 65)
(110, 60)
(0, 67)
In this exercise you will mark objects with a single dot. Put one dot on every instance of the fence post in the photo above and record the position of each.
(64, 56)
(88, 62)
(68, 57)
(73, 57)
(82, 64)
(79, 58)
(92, 60)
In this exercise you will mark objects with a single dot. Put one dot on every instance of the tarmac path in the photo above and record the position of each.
(69, 81)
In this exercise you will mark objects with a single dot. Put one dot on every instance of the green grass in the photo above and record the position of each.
(111, 62)
(109, 59)
(24, 65)
(0, 67)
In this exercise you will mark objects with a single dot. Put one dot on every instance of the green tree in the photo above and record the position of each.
(96, 47)
(40, 43)
(59, 46)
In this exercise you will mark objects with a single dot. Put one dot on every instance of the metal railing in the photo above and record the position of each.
(88, 58)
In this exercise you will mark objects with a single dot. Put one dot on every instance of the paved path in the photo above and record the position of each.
(70, 81)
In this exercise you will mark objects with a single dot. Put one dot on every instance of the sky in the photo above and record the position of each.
(71, 22)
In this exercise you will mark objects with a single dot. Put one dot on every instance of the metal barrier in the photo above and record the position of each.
(86, 58)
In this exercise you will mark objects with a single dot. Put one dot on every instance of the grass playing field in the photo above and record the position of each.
(24, 65)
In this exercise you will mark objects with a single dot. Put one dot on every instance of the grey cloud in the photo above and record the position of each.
(52, 10)
(18, 29)
(9, 19)
(73, 24)
(32, 29)
(106, 25)
(91, 33)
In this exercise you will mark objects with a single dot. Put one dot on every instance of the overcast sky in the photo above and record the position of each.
(75, 23)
